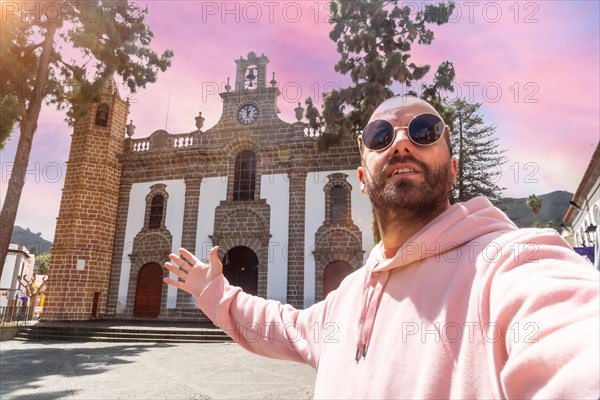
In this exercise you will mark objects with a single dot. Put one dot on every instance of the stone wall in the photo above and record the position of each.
(82, 252)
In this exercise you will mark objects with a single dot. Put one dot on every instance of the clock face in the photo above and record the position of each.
(247, 114)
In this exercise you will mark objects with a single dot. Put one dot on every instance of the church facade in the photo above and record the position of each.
(290, 221)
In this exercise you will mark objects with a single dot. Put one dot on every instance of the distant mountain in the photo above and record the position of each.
(33, 241)
(554, 207)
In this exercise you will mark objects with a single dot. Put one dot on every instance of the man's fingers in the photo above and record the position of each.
(181, 263)
(214, 257)
(173, 282)
(189, 256)
(177, 271)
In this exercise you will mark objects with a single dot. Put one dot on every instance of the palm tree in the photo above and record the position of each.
(535, 203)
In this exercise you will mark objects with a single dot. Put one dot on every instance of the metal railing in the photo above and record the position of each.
(19, 315)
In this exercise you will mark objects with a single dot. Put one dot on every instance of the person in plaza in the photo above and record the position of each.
(454, 302)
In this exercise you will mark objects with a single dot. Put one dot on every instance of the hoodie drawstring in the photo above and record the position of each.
(371, 297)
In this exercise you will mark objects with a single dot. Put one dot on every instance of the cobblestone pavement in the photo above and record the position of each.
(67, 370)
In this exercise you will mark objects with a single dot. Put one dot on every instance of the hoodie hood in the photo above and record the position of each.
(458, 225)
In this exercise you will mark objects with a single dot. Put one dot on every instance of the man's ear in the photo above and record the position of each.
(454, 168)
(361, 178)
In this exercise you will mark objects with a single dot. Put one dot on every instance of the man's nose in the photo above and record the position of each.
(402, 142)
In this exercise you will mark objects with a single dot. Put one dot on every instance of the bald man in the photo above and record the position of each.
(454, 302)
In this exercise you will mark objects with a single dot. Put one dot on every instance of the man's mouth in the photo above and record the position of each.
(403, 170)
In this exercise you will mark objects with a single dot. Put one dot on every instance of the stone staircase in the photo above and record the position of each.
(122, 331)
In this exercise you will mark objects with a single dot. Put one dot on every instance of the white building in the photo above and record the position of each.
(583, 216)
(18, 263)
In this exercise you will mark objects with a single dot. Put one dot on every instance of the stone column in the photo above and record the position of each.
(119, 246)
(190, 227)
(295, 280)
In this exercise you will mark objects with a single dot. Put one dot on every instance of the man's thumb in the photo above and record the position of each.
(214, 258)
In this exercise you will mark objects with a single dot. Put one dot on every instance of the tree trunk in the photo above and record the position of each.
(28, 126)
(461, 161)
(31, 309)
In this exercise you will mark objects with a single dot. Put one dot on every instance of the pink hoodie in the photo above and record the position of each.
(470, 307)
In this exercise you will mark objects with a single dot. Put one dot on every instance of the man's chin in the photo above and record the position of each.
(405, 195)
(405, 187)
(406, 177)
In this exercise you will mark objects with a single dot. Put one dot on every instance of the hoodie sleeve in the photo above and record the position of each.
(264, 327)
(542, 301)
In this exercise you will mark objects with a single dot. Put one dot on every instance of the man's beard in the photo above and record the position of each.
(407, 197)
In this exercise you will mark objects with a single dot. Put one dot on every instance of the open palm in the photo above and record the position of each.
(193, 274)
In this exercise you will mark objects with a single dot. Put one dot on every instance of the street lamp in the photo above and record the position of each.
(590, 233)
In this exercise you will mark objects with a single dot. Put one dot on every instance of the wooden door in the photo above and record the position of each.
(148, 291)
(334, 274)
(95, 305)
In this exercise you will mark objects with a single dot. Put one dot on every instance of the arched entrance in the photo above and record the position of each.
(240, 267)
(148, 291)
(334, 274)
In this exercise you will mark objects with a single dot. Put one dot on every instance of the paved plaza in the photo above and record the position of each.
(94, 370)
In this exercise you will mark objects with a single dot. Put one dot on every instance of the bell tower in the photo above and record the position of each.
(251, 73)
(82, 252)
(252, 103)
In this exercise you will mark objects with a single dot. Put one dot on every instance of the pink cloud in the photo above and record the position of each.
(549, 62)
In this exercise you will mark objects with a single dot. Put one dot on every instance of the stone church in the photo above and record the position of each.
(290, 221)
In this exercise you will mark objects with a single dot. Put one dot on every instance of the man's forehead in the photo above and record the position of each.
(401, 108)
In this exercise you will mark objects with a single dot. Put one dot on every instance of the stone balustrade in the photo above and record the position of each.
(140, 145)
(181, 140)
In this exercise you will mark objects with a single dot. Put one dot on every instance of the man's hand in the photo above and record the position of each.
(193, 274)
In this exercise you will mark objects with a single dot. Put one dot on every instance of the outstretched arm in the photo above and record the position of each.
(543, 299)
(265, 327)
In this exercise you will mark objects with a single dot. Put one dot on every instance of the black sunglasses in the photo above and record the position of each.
(423, 129)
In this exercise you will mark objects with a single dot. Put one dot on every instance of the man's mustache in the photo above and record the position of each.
(403, 159)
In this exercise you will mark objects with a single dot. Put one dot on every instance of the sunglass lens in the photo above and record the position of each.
(378, 134)
(426, 128)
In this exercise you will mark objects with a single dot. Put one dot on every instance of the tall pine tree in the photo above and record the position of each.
(62, 52)
(374, 39)
(476, 147)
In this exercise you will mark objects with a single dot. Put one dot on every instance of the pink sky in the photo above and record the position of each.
(546, 52)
